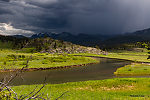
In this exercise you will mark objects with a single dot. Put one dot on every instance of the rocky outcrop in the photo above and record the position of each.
(76, 49)
(52, 46)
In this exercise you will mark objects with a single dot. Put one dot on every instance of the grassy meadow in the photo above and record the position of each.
(109, 89)
(10, 59)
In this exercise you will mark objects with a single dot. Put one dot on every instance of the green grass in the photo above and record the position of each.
(110, 89)
(15, 59)
(126, 55)
(134, 69)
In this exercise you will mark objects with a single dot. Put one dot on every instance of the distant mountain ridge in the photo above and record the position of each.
(82, 39)
(141, 35)
(138, 36)
(103, 41)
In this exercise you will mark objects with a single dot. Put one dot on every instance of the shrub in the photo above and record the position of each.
(23, 56)
(4, 63)
(58, 59)
(11, 57)
(44, 62)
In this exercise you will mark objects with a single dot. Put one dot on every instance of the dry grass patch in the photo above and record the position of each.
(105, 88)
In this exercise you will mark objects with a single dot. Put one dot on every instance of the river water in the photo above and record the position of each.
(102, 70)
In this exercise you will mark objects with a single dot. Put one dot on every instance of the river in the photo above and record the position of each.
(99, 71)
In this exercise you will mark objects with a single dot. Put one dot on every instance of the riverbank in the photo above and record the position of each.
(109, 89)
(48, 68)
(13, 60)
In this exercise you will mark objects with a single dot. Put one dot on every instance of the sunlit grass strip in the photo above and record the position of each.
(133, 70)
(110, 89)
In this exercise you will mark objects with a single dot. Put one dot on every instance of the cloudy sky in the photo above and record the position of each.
(75, 16)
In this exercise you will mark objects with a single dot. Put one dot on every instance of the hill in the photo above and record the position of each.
(46, 44)
(52, 46)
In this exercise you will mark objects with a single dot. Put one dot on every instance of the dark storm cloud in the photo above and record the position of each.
(5, 0)
(87, 16)
(4, 11)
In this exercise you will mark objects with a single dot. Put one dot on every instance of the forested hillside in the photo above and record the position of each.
(12, 42)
